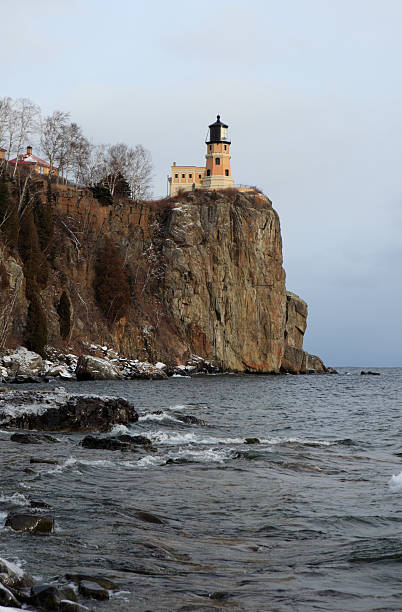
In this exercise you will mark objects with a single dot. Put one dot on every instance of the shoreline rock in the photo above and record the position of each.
(58, 411)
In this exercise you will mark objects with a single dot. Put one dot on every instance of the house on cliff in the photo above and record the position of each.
(33, 164)
(216, 174)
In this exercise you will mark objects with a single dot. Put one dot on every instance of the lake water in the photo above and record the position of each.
(309, 519)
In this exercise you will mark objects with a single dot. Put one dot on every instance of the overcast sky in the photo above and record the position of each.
(312, 93)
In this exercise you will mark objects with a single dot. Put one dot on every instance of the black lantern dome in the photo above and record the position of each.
(218, 132)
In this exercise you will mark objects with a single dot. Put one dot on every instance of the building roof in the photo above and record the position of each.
(26, 159)
(218, 122)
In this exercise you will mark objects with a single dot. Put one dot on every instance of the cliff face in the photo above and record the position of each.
(205, 275)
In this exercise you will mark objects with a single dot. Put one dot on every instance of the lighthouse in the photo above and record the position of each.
(215, 174)
(217, 169)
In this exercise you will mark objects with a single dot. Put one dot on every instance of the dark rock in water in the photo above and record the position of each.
(137, 440)
(71, 606)
(46, 596)
(29, 471)
(67, 592)
(251, 441)
(7, 598)
(369, 373)
(149, 518)
(104, 443)
(32, 438)
(332, 371)
(189, 419)
(103, 582)
(14, 577)
(39, 504)
(35, 523)
(92, 589)
(219, 596)
(62, 412)
(49, 461)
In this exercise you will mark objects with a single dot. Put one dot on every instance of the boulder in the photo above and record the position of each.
(63, 412)
(93, 590)
(136, 440)
(71, 606)
(22, 361)
(59, 371)
(104, 443)
(46, 596)
(252, 441)
(189, 419)
(106, 583)
(95, 368)
(13, 576)
(32, 438)
(25, 521)
(7, 598)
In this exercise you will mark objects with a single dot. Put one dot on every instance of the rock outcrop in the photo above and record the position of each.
(63, 412)
(295, 360)
(205, 279)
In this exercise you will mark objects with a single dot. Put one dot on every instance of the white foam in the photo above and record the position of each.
(174, 438)
(118, 429)
(150, 461)
(395, 483)
(209, 455)
(17, 499)
(274, 441)
(12, 567)
(164, 416)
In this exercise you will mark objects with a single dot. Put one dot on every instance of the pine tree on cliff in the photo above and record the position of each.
(8, 217)
(43, 220)
(111, 286)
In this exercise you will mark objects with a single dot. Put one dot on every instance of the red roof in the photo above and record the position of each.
(26, 160)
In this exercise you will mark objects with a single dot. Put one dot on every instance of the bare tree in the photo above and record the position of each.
(23, 122)
(119, 161)
(139, 174)
(53, 132)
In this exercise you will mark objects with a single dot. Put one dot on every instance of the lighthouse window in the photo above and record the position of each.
(183, 176)
(225, 147)
(210, 147)
(190, 176)
(226, 172)
(199, 176)
(208, 172)
(176, 176)
(217, 161)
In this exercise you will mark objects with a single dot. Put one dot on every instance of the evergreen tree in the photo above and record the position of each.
(64, 312)
(8, 216)
(112, 290)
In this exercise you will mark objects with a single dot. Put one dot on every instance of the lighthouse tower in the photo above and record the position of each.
(217, 170)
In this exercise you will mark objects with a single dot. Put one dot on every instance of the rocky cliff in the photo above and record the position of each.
(204, 272)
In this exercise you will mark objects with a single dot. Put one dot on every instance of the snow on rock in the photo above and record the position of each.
(22, 361)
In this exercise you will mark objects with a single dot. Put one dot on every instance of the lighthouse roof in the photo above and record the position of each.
(218, 122)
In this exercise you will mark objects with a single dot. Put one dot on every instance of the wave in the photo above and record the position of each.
(163, 416)
(209, 455)
(175, 438)
(17, 499)
(395, 483)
